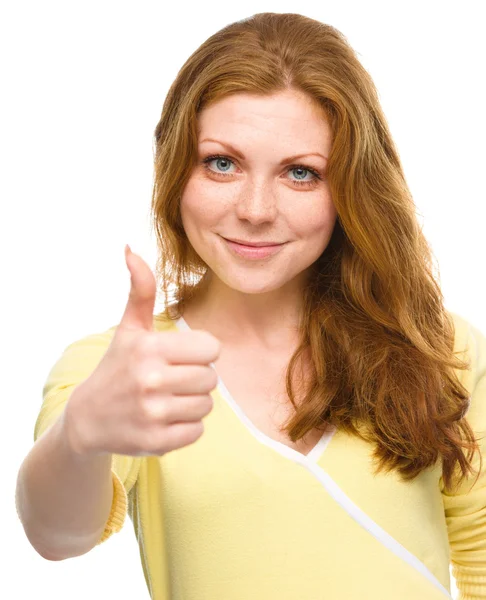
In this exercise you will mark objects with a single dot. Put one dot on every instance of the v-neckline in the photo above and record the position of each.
(286, 451)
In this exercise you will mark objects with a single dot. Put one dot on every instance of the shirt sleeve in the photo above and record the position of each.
(465, 508)
(76, 363)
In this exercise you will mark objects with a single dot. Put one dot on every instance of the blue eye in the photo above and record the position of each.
(313, 182)
(216, 158)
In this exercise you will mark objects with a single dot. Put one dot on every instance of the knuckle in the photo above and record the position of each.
(139, 377)
(155, 409)
(150, 379)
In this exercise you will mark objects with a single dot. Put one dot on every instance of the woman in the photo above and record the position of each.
(332, 380)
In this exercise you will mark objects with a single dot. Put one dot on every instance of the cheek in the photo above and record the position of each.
(316, 220)
(200, 205)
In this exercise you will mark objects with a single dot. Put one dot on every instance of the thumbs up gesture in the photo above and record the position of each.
(151, 390)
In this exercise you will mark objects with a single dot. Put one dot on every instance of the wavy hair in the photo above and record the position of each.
(374, 324)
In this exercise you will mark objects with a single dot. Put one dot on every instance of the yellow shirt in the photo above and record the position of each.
(237, 515)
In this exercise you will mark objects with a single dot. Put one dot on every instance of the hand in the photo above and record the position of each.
(151, 390)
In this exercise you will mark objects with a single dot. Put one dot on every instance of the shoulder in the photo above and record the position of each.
(470, 345)
(461, 327)
(469, 340)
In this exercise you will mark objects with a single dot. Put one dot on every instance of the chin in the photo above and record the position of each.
(256, 284)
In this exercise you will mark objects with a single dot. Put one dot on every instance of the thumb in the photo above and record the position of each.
(139, 310)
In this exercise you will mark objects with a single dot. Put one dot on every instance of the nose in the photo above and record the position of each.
(256, 203)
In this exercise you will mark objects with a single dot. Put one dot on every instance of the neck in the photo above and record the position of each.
(269, 319)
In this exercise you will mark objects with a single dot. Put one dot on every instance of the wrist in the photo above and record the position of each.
(71, 426)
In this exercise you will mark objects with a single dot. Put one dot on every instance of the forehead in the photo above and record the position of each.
(286, 114)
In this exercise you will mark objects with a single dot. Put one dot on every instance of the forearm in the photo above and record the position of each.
(63, 497)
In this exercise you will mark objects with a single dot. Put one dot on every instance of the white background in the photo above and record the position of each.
(83, 86)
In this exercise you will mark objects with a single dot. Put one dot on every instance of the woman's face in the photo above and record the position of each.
(255, 194)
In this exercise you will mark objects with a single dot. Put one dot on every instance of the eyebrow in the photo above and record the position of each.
(240, 155)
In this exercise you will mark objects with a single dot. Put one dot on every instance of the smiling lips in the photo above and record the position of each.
(254, 252)
(253, 244)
